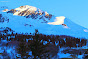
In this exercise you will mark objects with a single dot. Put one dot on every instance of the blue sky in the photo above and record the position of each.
(75, 10)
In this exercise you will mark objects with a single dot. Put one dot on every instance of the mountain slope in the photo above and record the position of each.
(29, 18)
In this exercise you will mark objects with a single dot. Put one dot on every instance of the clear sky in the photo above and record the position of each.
(75, 10)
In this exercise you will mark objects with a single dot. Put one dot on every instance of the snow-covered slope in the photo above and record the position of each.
(25, 19)
(58, 21)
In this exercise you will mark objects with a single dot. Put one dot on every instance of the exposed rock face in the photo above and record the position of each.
(64, 24)
(12, 11)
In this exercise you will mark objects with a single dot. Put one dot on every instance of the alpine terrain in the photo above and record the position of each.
(27, 32)
(25, 19)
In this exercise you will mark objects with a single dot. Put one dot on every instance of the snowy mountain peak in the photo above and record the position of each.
(30, 12)
(26, 10)
(34, 18)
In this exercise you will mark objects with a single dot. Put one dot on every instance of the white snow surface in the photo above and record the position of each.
(53, 26)
(58, 21)
(23, 8)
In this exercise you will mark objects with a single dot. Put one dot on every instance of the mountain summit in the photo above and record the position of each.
(30, 11)
(25, 19)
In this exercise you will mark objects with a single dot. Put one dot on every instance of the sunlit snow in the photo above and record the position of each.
(23, 8)
(58, 21)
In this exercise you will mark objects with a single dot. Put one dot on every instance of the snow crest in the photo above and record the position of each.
(57, 21)
(23, 8)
